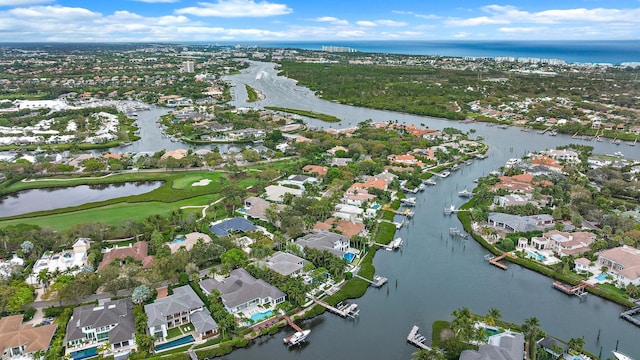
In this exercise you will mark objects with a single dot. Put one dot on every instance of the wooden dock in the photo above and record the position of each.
(377, 281)
(577, 290)
(495, 261)
(344, 310)
(414, 338)
(405, 212)
(629, 315)
(292, 324)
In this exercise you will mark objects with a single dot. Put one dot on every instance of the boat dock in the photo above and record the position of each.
(495, 261)
(342, 309)
(629, 315)
(377, 281)
(457, 233)
(414, 338)
(577, 290)
(405, 212)
(291, 323)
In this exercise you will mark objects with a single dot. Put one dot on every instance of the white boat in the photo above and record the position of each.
(444, 174)
(297, 338)
(621, 356)
(395, 244)
(410, 201)
(429, 182)
(455, 168)
(449, 210)
(465, 193)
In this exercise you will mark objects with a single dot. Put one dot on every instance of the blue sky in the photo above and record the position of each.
(295, 20)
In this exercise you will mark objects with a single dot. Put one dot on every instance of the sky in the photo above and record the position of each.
(214, 21)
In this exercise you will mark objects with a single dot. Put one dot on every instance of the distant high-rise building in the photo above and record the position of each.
(188, 66)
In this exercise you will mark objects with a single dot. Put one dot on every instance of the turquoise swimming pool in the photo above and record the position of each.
(83, 354)
(602, 277)
(349, 257)
(178, 239)
(175, 343)
(536, 256)
(262, 315)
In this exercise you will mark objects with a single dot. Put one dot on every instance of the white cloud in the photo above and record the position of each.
(421, 16)
(23, 2)
(333, 20)
(366, 23)
(499, 14)
(236, 8)
(391, 23)
(462, 34)
(522, 29)
(53, 13)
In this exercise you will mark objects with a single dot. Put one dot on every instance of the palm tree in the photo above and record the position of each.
(492, 316)
(433, 354)
(462, 324)
(531, 329)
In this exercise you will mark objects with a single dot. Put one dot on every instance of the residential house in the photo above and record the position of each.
(582, 265)
(517, 223)
(183, 307)
(224, 227)
(8, 267)
(111, 321)
(276, 193)
(348, 212)
(553, 347)
(339, 161)
(241, 292)
(300, 181)
(187, 241)
(284, 263)
(504, 346)
(565, 243)
(325, 240)
(138, 251)
(315, 169)
(405, 160)
(624, 262)
(19, 341)
(75, 258)
(256, 207)
(564, 155)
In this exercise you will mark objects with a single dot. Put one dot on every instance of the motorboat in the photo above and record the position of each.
(465, 193)
(410, 201)
(297, 338)
(621, 356)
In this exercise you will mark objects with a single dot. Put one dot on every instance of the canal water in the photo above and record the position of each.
(435, 274)
(27, 201)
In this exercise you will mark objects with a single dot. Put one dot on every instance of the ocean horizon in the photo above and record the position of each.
(571, 51)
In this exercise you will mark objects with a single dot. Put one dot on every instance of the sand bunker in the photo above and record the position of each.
(203, 182)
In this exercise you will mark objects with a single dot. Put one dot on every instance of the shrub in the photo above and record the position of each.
(28, 314)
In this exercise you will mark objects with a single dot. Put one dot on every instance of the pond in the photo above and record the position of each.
(27, 201)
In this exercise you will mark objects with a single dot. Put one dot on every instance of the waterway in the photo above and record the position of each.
(27, 201)
(152, 139)
(434, 274)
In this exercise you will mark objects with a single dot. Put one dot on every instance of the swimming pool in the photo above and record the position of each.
(178, 239)
(602, 277)
(83, 354)
(262, 315)
(349, 257)
(173, 343)
(376, 206)
(536, 256)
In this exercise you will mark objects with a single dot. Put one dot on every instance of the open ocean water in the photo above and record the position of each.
(611, 52)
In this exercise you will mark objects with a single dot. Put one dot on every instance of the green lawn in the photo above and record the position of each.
(187, 181)
(111, 214)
